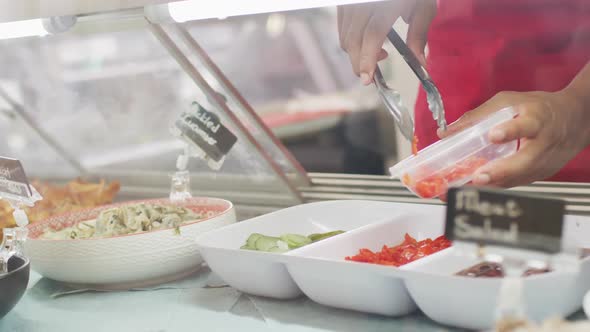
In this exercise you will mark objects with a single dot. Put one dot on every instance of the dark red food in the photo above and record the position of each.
(585, 253)
(415, 145)
(495, 270)
(404, 253)
(483, 270)
(533, 271)
(439, 182)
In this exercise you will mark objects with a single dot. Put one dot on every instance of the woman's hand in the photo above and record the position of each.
(364, 27)
(552, 127)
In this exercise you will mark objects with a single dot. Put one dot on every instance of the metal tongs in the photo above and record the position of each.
(393, 102)
(392, 99)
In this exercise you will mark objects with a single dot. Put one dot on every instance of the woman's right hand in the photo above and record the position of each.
(364, 27)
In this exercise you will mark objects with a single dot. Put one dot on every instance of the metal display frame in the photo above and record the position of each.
(294, 172)
(167, 39)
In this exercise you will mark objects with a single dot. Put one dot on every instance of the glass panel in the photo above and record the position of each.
(290, 67)
(108, 90)
(109, 98)
(38, 158)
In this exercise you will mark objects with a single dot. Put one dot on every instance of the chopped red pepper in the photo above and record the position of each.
(404, 253)
(415, 145)
(438, 183)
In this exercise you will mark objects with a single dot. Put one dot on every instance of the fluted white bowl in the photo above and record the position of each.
(128, 261)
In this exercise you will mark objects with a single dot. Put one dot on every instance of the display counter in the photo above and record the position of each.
(94, 96)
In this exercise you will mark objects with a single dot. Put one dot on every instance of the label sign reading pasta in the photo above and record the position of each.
(504, 218)
(13, 180)
(205, 130)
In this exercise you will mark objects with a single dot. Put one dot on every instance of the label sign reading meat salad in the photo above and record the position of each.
(205, 130)
(501, 217)
(13, 180)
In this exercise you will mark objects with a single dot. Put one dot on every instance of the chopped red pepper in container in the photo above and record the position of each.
(453, 160)
(404, 253)
(415, 145)
(431, 186)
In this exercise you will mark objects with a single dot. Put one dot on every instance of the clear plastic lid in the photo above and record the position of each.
(453, 160)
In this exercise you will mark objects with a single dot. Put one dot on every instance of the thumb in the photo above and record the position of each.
(470, 118)
(419, 24)
(465, 121)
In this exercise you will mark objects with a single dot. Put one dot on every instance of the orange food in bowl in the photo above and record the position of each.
(76, 195)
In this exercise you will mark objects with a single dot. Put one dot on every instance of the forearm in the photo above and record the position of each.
(577, 99)
(579, 88)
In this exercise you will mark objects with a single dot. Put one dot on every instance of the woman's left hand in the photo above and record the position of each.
(553, 127)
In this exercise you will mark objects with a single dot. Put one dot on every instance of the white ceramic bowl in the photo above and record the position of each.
(128, 261)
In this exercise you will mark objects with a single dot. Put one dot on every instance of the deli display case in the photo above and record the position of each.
(97, 99)
(89, 95)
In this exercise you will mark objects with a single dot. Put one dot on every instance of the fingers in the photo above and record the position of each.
(467, 120)
(526, 125)
(419, 24)
(362, 30)
(407, 11)
(470, 118)
(355, 37)
(339, 18)
(345, 23)
(354, 40)
(518, 169)
(382, 55)
(372, 42)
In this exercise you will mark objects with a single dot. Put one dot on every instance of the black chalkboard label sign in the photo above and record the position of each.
(505, 218)
(13, 180)
(205, 130)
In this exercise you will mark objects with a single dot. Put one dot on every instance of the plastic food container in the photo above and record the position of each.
(454, 160)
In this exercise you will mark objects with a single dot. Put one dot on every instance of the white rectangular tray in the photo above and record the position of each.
(320, 271)
(264, 274)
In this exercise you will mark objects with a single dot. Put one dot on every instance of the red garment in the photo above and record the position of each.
(478, 48)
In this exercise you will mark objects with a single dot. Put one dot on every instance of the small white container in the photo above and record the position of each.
(470, 303)
(453, 160)
(324, 276)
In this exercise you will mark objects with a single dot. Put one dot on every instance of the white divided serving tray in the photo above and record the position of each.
(320, 271)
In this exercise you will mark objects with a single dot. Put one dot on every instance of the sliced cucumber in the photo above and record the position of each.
(277, 250)
(321, 236)
(264, 243)
(285, 242)
(283, 245)
(251, 242)
(295, 240)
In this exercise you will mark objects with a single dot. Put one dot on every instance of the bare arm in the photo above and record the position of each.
(579, 88)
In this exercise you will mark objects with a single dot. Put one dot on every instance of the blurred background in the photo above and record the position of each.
(102, 95)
